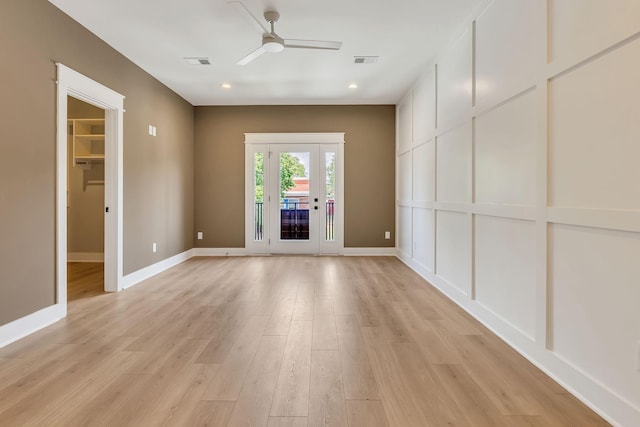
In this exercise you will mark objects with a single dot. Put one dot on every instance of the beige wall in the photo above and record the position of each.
(85, 217)
(158, 172)
(369, 166)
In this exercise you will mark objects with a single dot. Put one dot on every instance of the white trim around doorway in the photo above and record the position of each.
(72, 83)
(320, 138)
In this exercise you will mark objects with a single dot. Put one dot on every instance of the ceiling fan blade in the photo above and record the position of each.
(249, 16)
(312, 44)
(253, 55)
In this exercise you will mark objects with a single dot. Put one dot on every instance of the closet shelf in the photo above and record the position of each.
(87, 140)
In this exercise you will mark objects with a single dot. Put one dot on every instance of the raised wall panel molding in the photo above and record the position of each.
(452, 206)
(597, 218)
(527, 213)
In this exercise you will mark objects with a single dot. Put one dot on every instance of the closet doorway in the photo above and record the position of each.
(70, 83)
(85, 199)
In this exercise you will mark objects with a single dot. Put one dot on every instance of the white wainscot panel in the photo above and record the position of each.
(595, 133)
(405, 177)
(424, 107)
(404, 123)
(454, 82)
(505, 262)
(424, 172)
(423, 237)
(596, 304)
(453, 168)
(453, 249)
(506, 46)
(404, 230)
(587, 26)
(505, 153)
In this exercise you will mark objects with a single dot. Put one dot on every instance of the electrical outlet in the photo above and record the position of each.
(200, 235)
(387, 235)
(151, 130)
(154, 248)
(154, 131)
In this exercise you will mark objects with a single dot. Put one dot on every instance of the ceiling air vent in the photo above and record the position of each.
(198, 61)
(365, 59)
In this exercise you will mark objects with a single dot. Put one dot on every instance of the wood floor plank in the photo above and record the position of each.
(280, 320)
(498, 381)
(303, 308)
(287, 422)
(228, 383)
(427, 392)
(326, 399)
(254, 402)
(191, 409)
(366, 413)
(433, 340)
(209, 413)
(396, 397)
(474, 404)
(357, 375)
(222, 336)
(291, 398)
(163, 389)
(86, 377)
(32, 383)
(324, 325)
(101, 408)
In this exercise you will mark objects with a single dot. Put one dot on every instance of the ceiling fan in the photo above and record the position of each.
(272, 42)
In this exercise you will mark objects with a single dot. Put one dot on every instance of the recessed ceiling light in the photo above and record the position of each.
(353, 86)
(225, 86)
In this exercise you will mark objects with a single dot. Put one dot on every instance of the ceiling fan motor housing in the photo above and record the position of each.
(272, 43)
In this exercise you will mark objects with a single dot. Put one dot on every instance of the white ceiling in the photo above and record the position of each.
(158, 34)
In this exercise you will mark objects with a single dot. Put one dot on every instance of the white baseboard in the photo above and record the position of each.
(29, 324)
(245, 252)
(85, 257)
(220, 252)
(369, 252)
(143, 274)
(605, 402)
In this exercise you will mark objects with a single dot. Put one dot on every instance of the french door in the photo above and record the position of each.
(293, 206)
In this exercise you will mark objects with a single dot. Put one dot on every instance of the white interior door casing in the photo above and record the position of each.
(72, 83)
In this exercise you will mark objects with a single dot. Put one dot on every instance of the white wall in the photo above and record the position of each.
(519, 187)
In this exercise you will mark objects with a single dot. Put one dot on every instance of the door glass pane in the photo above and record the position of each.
(330, 194)
(294, 196)
(258, 212)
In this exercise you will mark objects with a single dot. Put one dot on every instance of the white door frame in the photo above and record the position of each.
(72, 83)
(252, 140)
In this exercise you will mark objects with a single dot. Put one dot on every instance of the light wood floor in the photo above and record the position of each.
(280, 341)
(84, 280)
